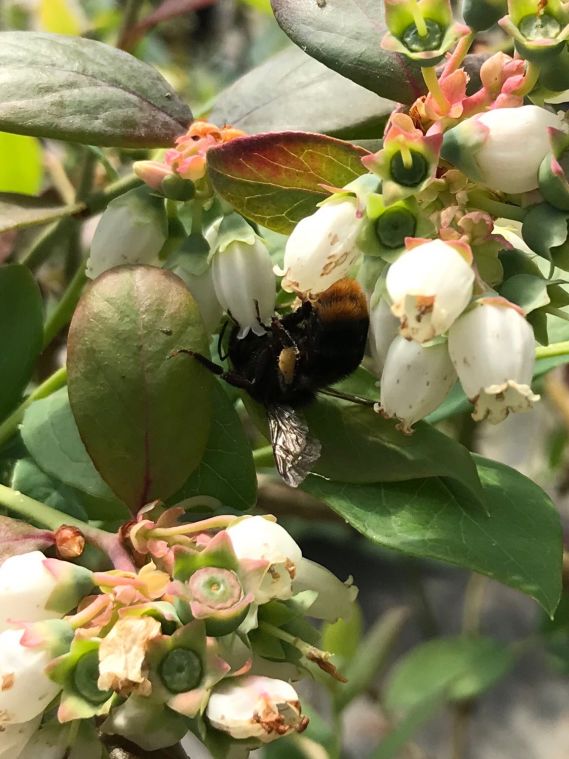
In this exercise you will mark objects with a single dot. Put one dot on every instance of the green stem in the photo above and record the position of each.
(100, 200)
(35, 510)
(558, 312)
(45, 242)
(263, 457)
(9, 426)
(63, 311)
(552, 351)
(496, 208)
(131, 13)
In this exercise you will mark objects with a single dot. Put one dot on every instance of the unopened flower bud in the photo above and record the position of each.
(256, 707)
(33, 588)
(429, 286)
(244, 283)
(487, 147)
(335, 599)
(257, 538)
(132, 230)
(26, 688)
(322, 248)
(69, 542)
(161, 178)
(492, 348)
(415, 380)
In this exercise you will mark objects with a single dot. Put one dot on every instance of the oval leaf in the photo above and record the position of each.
(226, 471)
(21, 332)
(459, 668)
(19, 211)
(51, 436)
(346, 35)
(80, 90)
(21, 168)
(144, 418)
(293, 91)
(426, 518)
(276, 178)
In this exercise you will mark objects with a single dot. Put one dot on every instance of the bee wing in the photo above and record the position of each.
(295, 449)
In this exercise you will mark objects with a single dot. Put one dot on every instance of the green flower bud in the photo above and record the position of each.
(394, 225)
(177, 188)
(482, 14)
(417, 43)
(409, 176)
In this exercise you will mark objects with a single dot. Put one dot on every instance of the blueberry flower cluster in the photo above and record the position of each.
(207, 636)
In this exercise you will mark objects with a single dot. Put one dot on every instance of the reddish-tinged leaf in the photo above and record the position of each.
(17, 537)
(276, 178)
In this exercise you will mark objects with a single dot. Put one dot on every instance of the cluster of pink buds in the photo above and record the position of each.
(179, 645)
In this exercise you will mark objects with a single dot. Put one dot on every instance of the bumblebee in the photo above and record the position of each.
(302, 352)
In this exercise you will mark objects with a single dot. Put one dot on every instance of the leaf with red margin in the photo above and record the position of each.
(276, 178)
(17, 537)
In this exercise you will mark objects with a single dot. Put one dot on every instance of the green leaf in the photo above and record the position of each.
(346, 35)
(426, 518)
(226, 471)
(144, 417)
(21, 333)
(293, 91)
(51, 436)
(21, 167)
(28, 478)
(79, 90)
(60, 16)
(384, 454)
(545, 230)
(459, 667)
(276, 179)
(526, 291)
(19, 211)
(343, 637)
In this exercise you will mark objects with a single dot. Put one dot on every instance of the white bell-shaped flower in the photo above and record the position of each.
(322, 248)
(26, 688)
(502, 148)
(132, 230)
(415, 380)
(260, 539)
(335, 599)
(430, 285)
(15, 737)
(255, 707)
(383, 329)
(203, 291)
(492, 348)
(33, 588)
(245, 284)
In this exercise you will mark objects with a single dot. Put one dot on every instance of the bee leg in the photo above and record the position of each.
(258, 313)
(222, 355)
(281, 331)
(232, 378)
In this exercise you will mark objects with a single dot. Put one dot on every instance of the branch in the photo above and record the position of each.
(168, 10)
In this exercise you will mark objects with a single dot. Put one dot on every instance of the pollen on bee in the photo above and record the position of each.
(343, 300)
(287, 364)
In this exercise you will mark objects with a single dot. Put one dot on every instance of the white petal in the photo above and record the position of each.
(383, 329)
(130, 231)
(517, 144)
(257, 538)
(13, 738)
(429, 286)
(492, 348)
(25, 587)
(203, 291)
(415, 380)
(322, 248)
(245, 284)
(255, 707)
(335, 598)
(26, 689)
